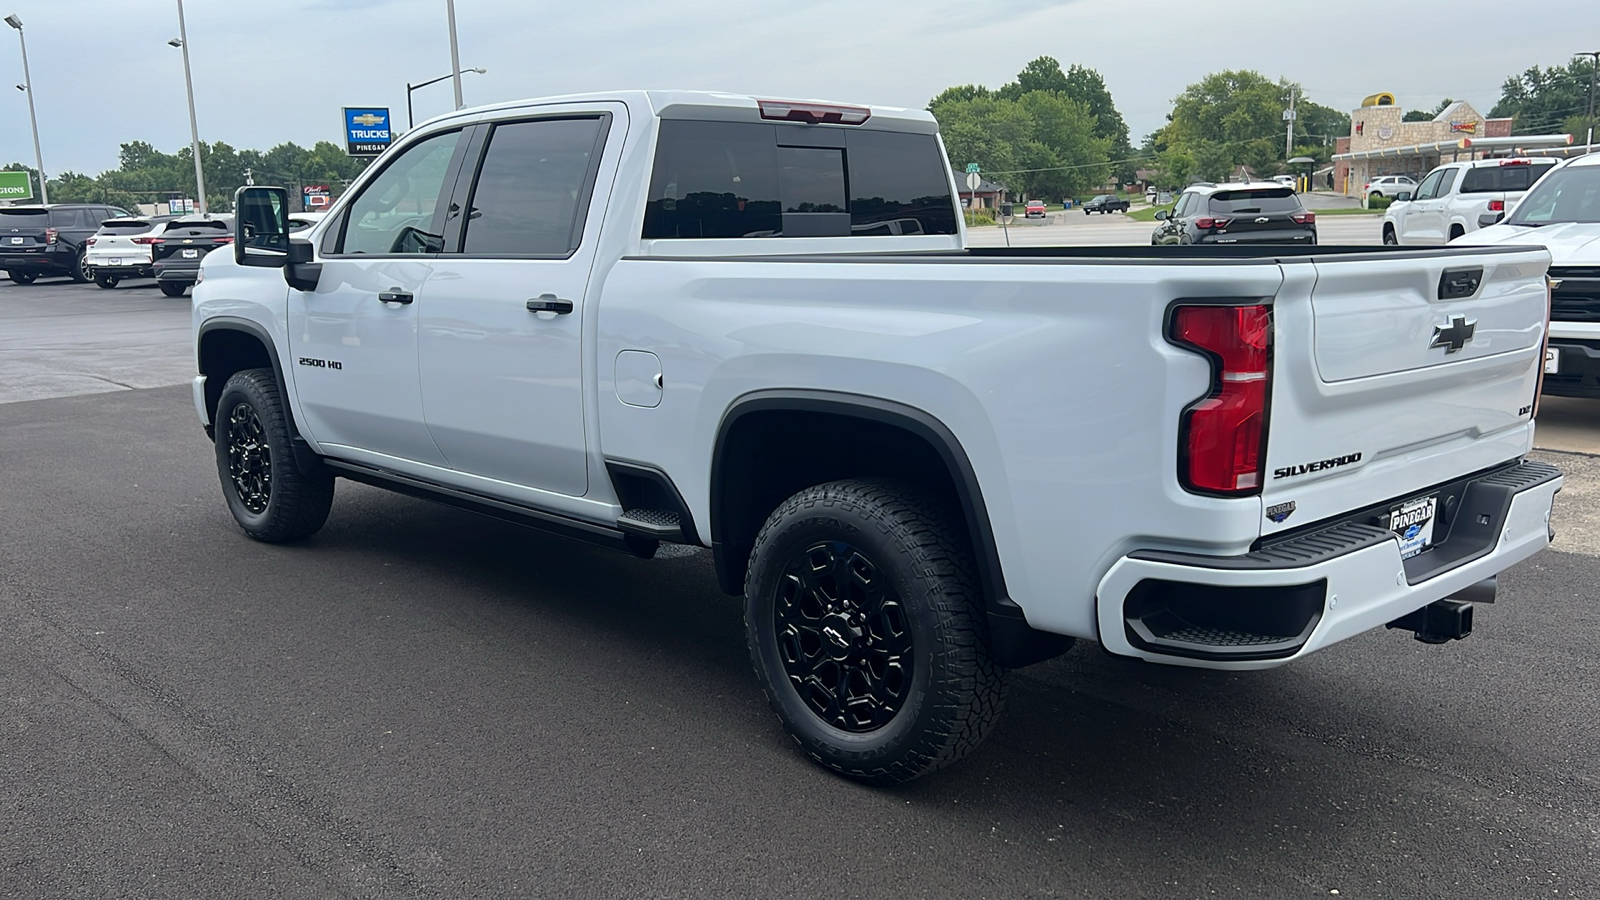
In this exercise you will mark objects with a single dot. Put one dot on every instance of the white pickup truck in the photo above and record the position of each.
(753, 326)
(1562, 214)
(1459, 198)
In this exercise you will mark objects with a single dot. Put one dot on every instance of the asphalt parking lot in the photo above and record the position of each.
(421, 702)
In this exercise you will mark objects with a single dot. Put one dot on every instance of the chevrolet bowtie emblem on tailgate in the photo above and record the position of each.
(1454, 336)
(367, 119)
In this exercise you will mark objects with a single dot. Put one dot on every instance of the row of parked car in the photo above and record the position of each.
(107, 244)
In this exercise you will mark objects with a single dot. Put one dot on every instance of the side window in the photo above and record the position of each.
(1428, 190)
(1446, 178)
(395, 212)
(533, 188)
(1185, 205)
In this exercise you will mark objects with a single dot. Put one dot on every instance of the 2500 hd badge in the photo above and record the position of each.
(1318, 466)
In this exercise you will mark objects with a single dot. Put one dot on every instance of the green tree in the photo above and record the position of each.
(1235, 117)
(1040, 144)
(1543, 100)
(1419, 115)
(1083, 85)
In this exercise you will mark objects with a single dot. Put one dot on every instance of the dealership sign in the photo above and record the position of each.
(366, 130)
(16, 186)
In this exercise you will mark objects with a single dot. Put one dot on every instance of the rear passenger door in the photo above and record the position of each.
(501, 320)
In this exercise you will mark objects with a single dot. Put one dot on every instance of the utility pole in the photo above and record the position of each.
(1288, 130)
(1594, 56)
(455, 55)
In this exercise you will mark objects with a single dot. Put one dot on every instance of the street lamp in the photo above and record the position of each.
(1588, 141)
(27, 88)
(455, 55)
(412, 87)
(182, 43)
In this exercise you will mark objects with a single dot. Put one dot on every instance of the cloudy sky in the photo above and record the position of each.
(270, 72)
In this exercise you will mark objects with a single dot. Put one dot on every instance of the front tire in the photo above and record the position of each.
(1390, 238)
(271, 497)
(866, 628)
(18, 277)
(172, 290)
(108, 282)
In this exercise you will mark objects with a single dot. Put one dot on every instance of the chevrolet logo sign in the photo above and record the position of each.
(1454, 336)
(368, 119)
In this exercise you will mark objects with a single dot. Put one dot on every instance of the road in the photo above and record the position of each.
(418, 702)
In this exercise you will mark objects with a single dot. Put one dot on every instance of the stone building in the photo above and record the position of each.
(1380, 143)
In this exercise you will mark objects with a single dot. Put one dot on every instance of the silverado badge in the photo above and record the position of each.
(1454, 335)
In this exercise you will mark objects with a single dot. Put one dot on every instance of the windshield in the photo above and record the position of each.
(1571, 194)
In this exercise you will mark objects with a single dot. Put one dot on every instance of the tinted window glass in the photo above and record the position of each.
(724, 179)
(898, 179)
(1276, 200)
(1429, 188)
(23, 218)
(1446, 179)
(132, 226)
(1570, 195)
(714, 179)
(204, 228)
(1495, 179)
(394, 213)
(530, 186)
(67, 218)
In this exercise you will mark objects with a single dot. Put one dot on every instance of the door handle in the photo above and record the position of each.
(394, 296)
(550, 303)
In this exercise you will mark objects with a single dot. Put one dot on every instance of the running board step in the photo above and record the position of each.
(657, 524)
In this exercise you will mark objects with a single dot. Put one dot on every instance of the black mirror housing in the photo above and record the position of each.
(261, 227)
(1161, 214)
(1402, 197)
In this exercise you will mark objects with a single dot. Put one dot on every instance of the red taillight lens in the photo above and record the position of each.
(1223, 436)
(51, 236)
(1305, 218)
(1516, 162)
(224, 240)
(1209, 222)
(88, 242)
(1497, 206)
(149, 240)
(787, 111)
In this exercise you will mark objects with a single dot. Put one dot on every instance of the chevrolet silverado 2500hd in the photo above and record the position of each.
(752, 325)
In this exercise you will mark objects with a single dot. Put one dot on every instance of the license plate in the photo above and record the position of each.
(1552, 360)
(16, 240)
(116, 260)
(191, 254)
(1413, 523)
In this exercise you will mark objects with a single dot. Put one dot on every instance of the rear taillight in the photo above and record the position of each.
(88, 242)
(1497, 206)
(1516, 162)
(1367, 185)
(149, 240)
(224, 240)
(1209, 222)
(1223, 437)
(51, 235)
(787, 111)
(1305, 218)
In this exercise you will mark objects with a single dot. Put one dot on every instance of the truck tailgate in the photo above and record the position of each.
(1398, 372)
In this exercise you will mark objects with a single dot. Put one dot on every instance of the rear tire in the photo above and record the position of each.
(173, 290)
(108, 282)
(867, 630)
(271, 497)
(20, 277)
(81, 273)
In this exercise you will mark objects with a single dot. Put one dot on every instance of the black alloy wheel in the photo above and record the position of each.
(867, 631)
(843, 636)
(81, 273)
(274, 493)
(18, 277)
(249, 458)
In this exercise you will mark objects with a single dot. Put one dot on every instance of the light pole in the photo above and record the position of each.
(182, 43)
(1588, 141)
(27, 88)
(412, 87)
(455, 55)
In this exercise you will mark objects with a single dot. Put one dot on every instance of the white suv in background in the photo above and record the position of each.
(1388, 186)
(122, 248)
(1458, 198)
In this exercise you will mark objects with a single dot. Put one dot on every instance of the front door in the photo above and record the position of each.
(353, 340)
(502, 317)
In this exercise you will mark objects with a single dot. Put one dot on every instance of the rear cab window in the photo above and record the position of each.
(737, 179)
(1504, 177)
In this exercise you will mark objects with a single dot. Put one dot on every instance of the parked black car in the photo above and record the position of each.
(49, 239)
(183, 245)
(1104, 203)
(1236, 214)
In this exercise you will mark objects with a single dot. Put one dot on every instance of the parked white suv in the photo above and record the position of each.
(1459, 198)
(1388, 186)
(122, 248)
(1562, 214)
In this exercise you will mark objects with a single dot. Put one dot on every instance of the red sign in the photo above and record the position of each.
(1464, 127)
(317, 196)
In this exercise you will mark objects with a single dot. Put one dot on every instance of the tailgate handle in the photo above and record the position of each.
(1457, 283)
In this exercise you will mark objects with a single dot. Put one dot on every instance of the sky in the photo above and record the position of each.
(266, 73)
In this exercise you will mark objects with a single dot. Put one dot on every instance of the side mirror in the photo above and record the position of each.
(1161, 214)
(261, 227)
(1402, 196)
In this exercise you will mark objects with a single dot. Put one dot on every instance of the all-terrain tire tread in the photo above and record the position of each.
(301, 500)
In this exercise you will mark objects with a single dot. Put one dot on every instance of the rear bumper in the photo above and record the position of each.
(1578, 374)
(1297, 596)
(135, 271)
(36, 262)
(1279, 236)
(181, 271)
